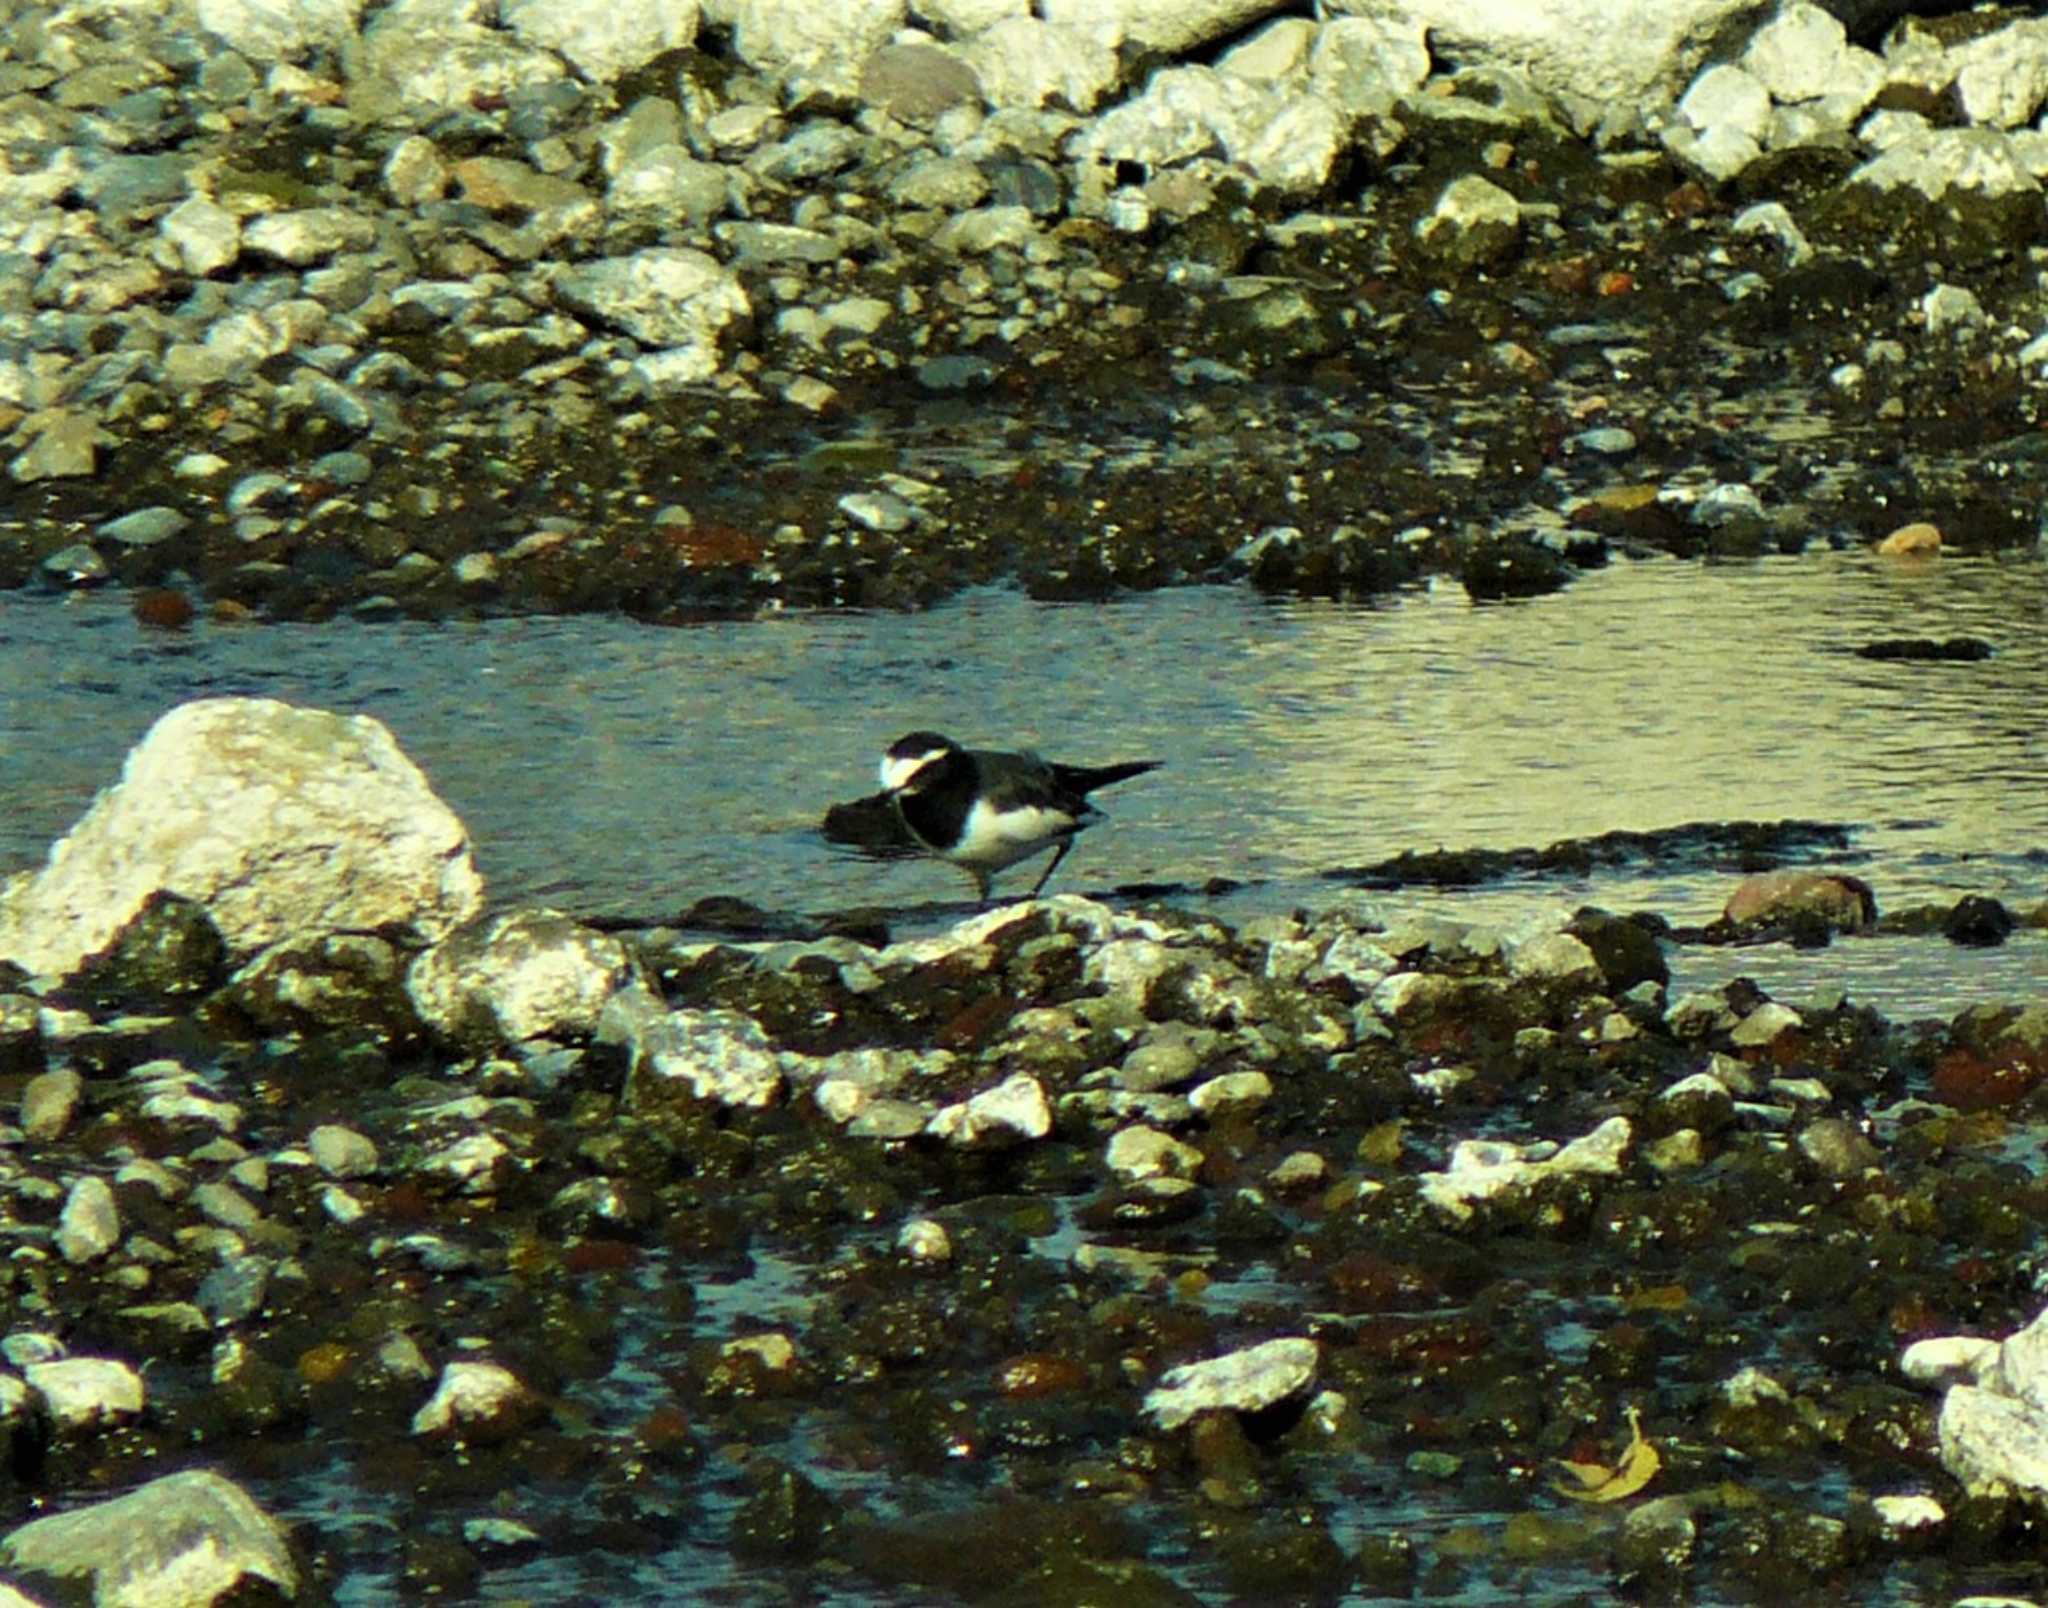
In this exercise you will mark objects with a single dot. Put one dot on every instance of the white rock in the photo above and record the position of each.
(1141, 1152)
(1908, 1514)
(1624, 51)
(1473, 221)
(428, 57)
(473, 1394)
(603, 38)
(525, 974)
(308, 235)
(82, 1391)
(665, 296)
(414, 172)
(1727, 97)
(1990, 1440)
(1554, 957)
(1763, 1025)
(819, 45)
(342, 1152)
(1024, 61)
(476, 1164)
(279, 30)
(924, 1240)
(1163, 25)
(1481, 1169)
(1243, 1381)
(1280, 50)
(1233, 1091)
(186, 1538)
(1941, 160)
(956, 19)
(205, 235)
(1951, 308)
(90, 1225)
(1800, 54)
(1771, 218)
(2002, 78)
(284, 823)
(1365, 64)
(722, 1055)
(1289, 140)
(1013, 1111)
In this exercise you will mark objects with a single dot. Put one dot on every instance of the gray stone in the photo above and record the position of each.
(49, 1102)
(915, 83)
(63, 444)
(78, 564)
(189, 1538)
(281, 822)
(145, 527)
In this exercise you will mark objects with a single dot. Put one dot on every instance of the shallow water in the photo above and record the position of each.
(609, 767)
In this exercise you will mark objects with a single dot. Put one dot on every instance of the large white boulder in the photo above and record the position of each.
(284, 823)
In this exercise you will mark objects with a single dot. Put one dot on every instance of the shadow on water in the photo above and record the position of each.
(608, 767)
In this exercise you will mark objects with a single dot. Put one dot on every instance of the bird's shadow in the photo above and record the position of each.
(871, 827)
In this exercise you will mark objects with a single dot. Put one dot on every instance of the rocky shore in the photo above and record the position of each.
(444, 307)
(1163, 1257)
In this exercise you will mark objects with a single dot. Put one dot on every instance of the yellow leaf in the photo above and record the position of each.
(1598, 1483)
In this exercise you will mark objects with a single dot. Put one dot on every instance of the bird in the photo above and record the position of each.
(984, 810)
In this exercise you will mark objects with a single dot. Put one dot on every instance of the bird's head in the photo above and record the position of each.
(910, 762)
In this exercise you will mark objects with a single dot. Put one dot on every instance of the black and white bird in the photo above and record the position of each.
(984, 810)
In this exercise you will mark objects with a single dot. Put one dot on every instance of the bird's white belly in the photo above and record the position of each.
(996, 838)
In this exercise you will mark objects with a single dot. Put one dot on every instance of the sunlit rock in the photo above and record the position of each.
(477, 1401)
(525, 974)
(279, 822)
(1487, 1169)
(1244, 1381)
(187, 1538)
(1839, 901)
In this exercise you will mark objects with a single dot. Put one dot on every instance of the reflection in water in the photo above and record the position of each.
(608, 766)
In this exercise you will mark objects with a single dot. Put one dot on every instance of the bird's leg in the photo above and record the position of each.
(983, 879)
(1052, 866)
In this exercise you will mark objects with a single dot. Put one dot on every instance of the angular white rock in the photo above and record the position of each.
(524, 974)
(283, 822)
(1244, 1381)
(82, 1391)
(472, 1394)
(185, 1538)
(603, 38)
(1480, 1169)
(1013, 1111)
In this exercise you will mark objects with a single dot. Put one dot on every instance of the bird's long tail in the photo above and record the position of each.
(1085, 779)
